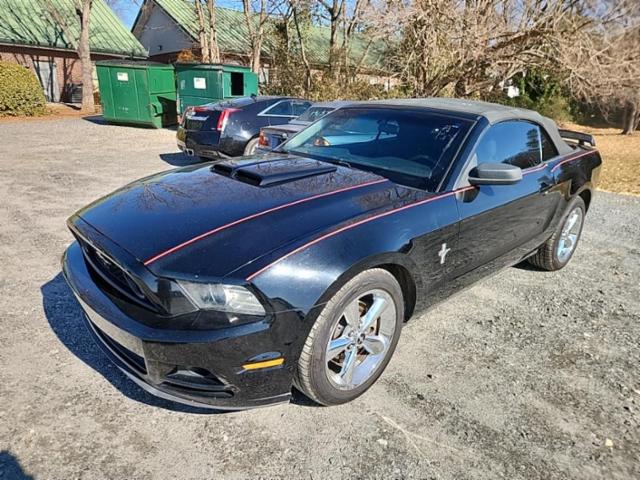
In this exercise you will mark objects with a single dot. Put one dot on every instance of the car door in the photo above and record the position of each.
(499, 224)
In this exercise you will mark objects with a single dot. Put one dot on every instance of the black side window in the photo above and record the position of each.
(300, 107)
(280, 108)
(548, 148)
(514, 142)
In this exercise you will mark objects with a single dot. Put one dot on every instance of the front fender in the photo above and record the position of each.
(306, 285)
(311, 277)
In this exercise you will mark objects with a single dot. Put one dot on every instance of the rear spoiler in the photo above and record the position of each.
(581, 138)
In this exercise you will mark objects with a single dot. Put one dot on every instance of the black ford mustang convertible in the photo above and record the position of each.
(224, 285)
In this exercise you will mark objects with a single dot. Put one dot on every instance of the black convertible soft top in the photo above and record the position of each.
(493, 112)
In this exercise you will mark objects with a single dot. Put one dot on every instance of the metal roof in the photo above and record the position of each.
(233, 35)
(30, 23)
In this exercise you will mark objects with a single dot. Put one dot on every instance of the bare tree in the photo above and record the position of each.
(207, 30)
(214, 48)
(345, 20)
(471, 47)
(255, 23)
(296, 7)
(79, 39)
(352, 23)
(333, 12)
(602, 62)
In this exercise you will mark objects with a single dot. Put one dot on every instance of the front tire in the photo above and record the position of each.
(353, 339)
(556, 252)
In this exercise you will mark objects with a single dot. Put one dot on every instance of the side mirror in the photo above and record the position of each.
(495, 174)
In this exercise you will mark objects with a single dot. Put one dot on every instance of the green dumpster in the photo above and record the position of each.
(200, 83)
(137, 93)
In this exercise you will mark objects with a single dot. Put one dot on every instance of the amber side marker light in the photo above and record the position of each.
(266, 364)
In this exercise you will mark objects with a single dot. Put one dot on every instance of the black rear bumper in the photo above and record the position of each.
(196, 368)
(210, 144)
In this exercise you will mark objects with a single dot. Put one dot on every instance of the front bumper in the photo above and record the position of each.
(196, 368)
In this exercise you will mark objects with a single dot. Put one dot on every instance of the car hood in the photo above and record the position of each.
(209, 220)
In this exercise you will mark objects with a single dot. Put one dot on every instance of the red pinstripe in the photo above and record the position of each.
(380, 215)
(256, 215)
(557, 165)
(534, 169)
(355, 224)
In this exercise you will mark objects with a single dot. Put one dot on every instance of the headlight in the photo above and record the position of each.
(226, 298)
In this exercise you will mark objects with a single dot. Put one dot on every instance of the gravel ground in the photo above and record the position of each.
(527, 375)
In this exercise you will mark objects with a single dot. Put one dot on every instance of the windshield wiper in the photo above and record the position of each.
(344, 163)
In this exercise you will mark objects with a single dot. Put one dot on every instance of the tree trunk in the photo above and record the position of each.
(631, 117)
(205, 53)
(334, 14)
(84, 53)
(214, 49)
(303, 53)
(257, 50)
(256, 32)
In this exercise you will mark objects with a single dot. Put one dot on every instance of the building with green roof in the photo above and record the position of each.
(31, 35)
(167, 27)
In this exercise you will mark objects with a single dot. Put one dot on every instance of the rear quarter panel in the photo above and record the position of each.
(576, 174)
(243, 126)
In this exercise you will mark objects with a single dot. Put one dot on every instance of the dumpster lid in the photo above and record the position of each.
(211, 66)
(133, 64)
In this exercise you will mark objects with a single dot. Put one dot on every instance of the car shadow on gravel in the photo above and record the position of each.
(10, 467)
(97, 119)
(179, 159)
(100, 120)
(529, 267)
(65, 316)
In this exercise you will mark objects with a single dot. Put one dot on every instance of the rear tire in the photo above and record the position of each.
(353, 339)
(250, 149)
(556, 252)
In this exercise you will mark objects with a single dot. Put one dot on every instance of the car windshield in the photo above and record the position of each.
(410, 147)
(313, 114)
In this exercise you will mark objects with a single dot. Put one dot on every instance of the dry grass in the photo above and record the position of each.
(620, 157)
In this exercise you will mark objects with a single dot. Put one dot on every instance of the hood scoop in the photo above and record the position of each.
(277, 172)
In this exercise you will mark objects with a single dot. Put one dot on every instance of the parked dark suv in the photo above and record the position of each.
(231, 128)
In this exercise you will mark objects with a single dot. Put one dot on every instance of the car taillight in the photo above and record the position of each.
(187, 111)
(262, 140)
(224, 118)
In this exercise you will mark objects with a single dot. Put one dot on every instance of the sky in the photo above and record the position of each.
(127, 10)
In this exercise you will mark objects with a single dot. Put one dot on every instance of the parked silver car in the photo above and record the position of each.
(272, 136)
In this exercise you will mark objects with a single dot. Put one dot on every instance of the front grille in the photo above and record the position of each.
(115, 278)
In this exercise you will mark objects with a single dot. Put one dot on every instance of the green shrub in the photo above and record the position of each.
(324, 88)
(20, 91)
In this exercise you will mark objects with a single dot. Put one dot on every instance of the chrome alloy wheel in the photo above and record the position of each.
(569, 235)
(360, 339)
